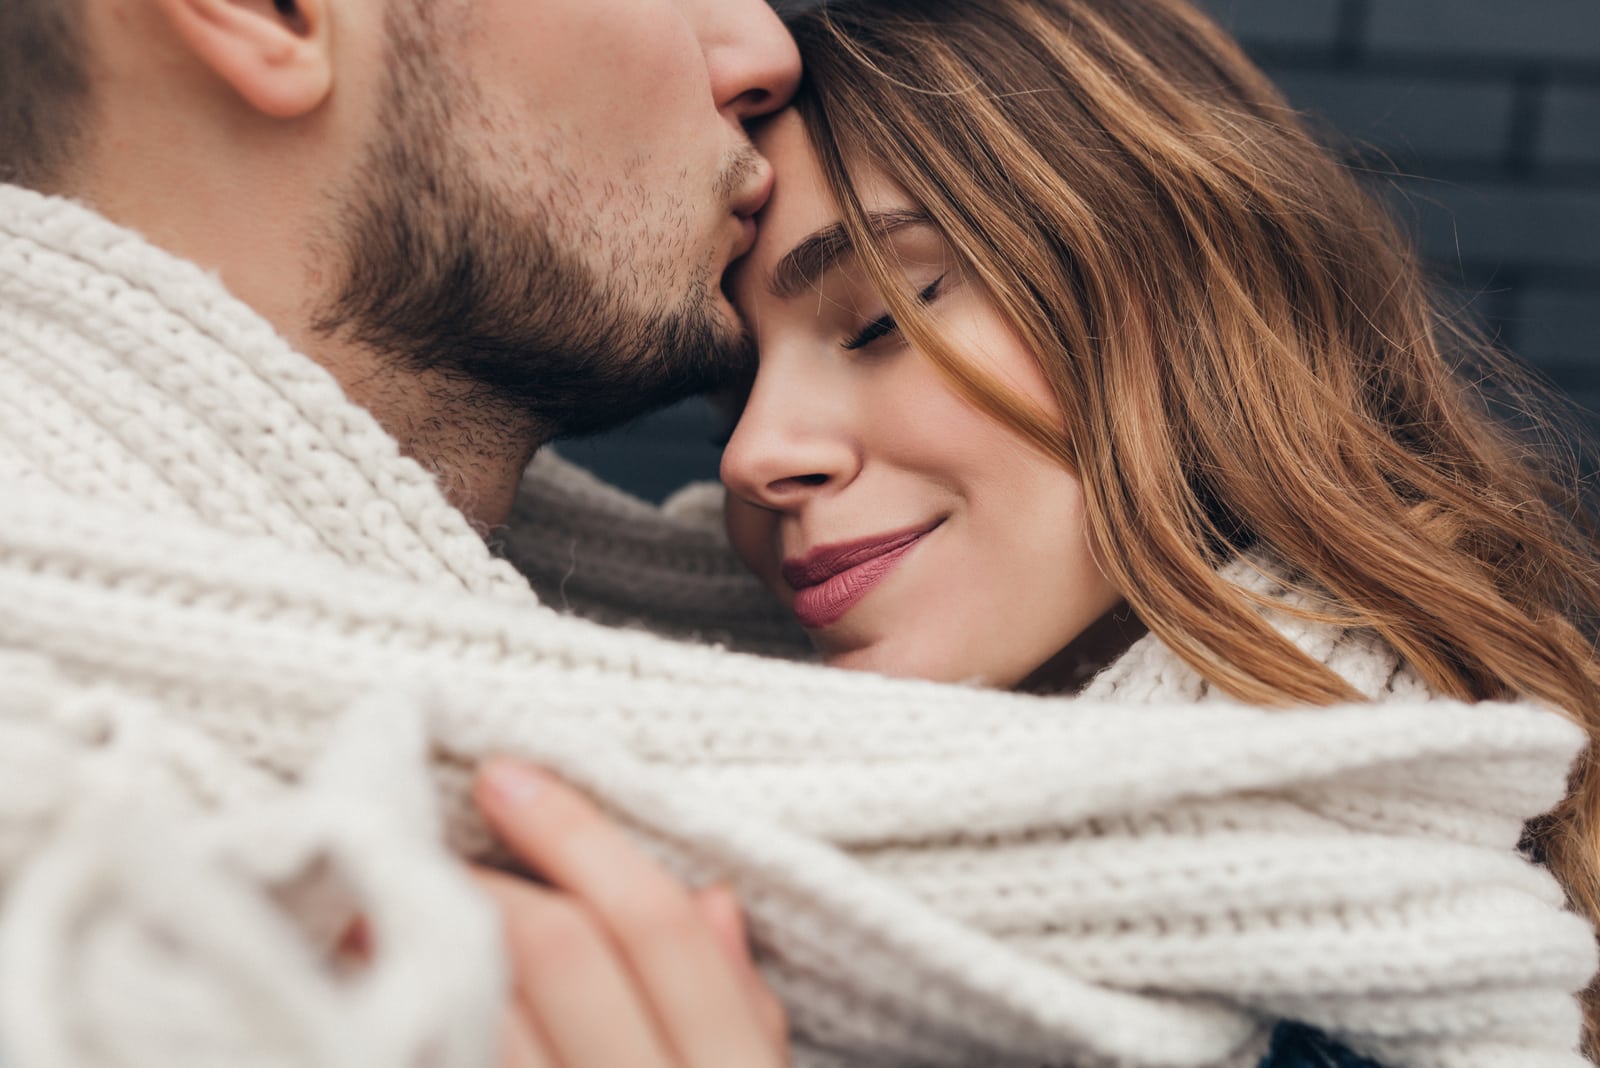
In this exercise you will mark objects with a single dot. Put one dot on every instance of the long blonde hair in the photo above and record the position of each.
(1242, 345)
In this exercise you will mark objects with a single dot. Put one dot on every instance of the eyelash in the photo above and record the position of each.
(885, 325)
(877, 329)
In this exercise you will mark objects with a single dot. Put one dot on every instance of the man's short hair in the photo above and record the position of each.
(44, 89)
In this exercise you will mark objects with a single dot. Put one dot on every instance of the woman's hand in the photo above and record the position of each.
(616, 964)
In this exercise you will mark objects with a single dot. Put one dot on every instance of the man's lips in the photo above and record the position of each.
(754, 196)
(747, 236)
(829, 581)
(748, 204)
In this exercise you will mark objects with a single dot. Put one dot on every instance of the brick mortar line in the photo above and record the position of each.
(1350, 32)
(1474, 272)
(1484, 175)
(1490, 69)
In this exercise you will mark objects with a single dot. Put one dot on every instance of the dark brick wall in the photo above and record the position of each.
(1490, 109)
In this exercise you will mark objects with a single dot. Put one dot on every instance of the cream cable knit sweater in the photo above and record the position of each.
(248, 654)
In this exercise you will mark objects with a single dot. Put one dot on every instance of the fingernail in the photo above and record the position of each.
(514, 783)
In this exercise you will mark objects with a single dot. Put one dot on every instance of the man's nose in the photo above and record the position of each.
(753, 62)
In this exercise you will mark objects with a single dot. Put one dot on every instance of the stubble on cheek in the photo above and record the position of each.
(626, 230)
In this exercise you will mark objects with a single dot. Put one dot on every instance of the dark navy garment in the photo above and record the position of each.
(1297, 1046)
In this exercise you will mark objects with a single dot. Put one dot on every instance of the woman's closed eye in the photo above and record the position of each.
(878, 329)
(884, 325)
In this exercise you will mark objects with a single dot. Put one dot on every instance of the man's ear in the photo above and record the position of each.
(276, 54)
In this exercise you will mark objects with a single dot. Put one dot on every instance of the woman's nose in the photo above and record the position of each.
(788, 448)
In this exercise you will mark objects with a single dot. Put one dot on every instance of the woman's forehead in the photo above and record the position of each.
(802, 204)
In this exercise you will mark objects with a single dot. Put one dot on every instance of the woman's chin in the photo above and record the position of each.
(884, 658)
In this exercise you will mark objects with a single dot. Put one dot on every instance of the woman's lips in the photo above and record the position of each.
(828, 582)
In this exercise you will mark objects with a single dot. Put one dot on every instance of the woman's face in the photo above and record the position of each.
(910, 533)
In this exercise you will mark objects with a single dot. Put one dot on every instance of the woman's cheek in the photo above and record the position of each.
(752, 532)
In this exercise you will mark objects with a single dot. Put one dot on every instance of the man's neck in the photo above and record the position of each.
(476, 445)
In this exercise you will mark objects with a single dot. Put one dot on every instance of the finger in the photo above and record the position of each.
(698, 998)
(772, 1019)
(720, 905)
(577, 996)
(519, 1047)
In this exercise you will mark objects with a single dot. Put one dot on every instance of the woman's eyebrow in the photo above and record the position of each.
(823, 250)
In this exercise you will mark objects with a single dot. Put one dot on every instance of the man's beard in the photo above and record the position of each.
(442, 273)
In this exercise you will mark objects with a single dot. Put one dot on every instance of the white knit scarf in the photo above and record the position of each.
(249, 653)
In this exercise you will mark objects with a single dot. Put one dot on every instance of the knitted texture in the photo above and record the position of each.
(249, 654)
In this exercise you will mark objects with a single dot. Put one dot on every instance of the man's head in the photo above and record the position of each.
(526, 202)
(553, 219)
